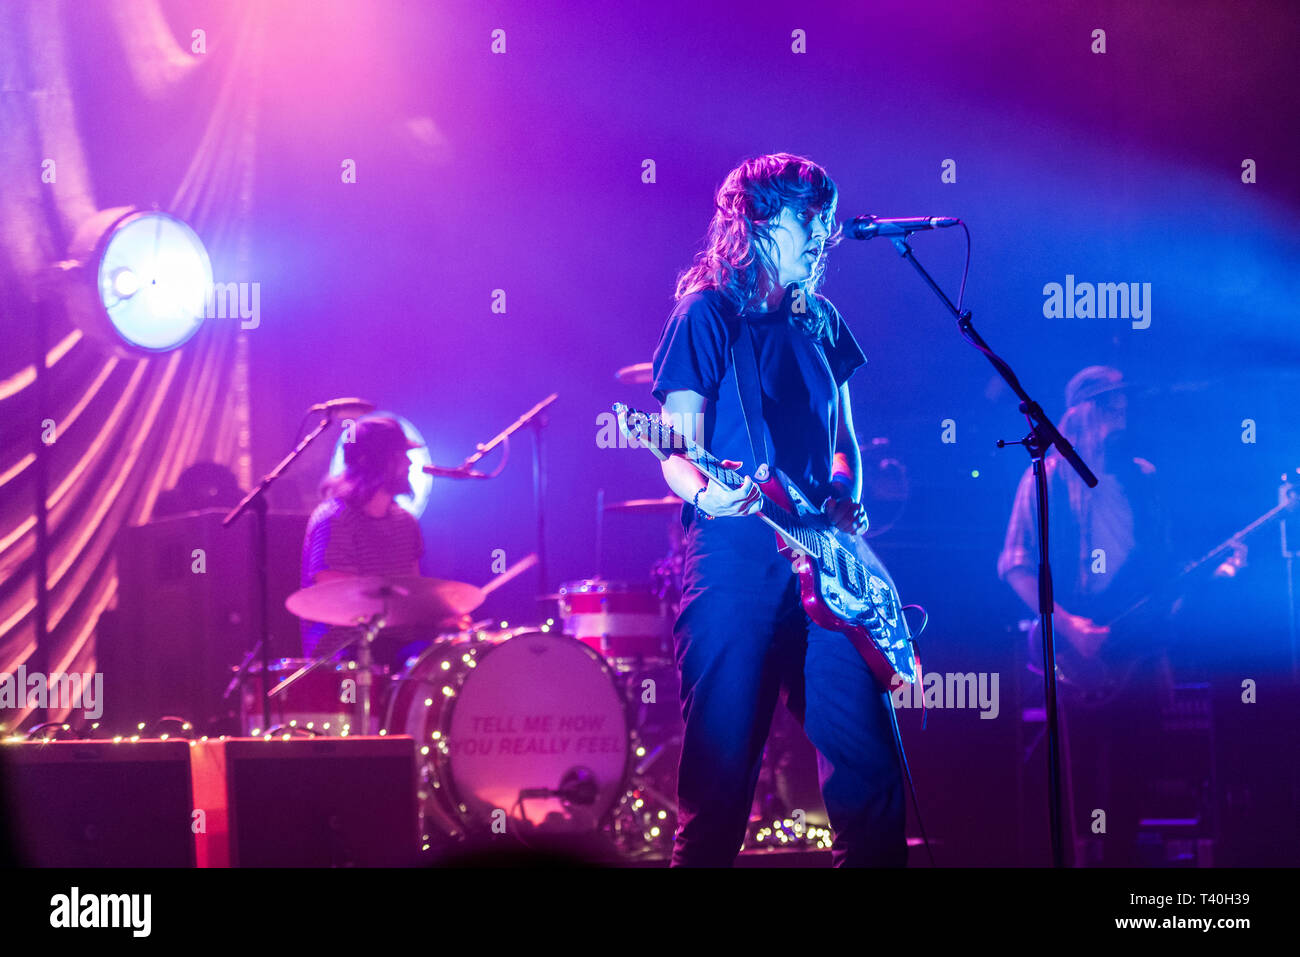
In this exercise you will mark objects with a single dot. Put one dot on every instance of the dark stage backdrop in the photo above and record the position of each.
(454, 209)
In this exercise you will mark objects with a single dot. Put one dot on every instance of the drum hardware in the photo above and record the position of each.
(373, 603)
(578, 786)
(640, 373)
(313, 706)
(669, 504)
(561, 771)
(645, 820)
(644, 823)
(646, 817)
(656, 771)
(256, 503)
(534, 418)
(471, 638)
(667, 576)
(400, 599)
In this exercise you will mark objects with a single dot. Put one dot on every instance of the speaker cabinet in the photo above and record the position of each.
(306, 802)
(187, 613)
(97, 803)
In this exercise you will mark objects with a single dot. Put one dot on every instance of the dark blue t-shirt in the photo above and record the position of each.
(800, 380)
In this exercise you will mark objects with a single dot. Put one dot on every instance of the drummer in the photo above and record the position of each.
(360, 530)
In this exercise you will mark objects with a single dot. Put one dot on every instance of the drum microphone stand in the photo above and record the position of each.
(256, 502)
(538, 421)
(370, 629)
(1043, 435)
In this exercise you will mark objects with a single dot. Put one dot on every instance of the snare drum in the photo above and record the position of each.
(500, 721)
(326, 700)
(617, 619)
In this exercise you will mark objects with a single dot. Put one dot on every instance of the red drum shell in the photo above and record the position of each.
(616, 619)
(317, 698)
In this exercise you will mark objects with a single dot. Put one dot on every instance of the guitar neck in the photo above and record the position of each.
(710, 466)
(1173, 586)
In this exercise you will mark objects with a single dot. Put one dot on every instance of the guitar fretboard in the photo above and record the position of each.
(666, 438)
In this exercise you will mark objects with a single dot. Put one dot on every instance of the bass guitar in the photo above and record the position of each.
(1097, 679)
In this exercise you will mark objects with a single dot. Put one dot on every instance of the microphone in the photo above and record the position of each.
(577, 786)
(352, 404)
(869, 227)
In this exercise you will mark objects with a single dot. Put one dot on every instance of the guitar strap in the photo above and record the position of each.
(751, 394)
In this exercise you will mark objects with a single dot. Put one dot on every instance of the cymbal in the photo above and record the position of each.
(639, 374)
(667, 503)
(405, 600)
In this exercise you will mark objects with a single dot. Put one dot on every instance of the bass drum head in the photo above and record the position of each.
(534, 711)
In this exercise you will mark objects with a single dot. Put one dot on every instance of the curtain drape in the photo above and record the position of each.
(123, 429)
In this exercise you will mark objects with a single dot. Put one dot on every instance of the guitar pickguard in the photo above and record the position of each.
(860, 593)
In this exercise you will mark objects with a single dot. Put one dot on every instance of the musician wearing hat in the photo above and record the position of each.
(1099, 536)
(359, 528)
(1110, 549)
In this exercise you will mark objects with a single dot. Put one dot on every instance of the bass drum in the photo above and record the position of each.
(503, 719)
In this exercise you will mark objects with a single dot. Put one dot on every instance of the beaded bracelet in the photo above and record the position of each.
(696, 502)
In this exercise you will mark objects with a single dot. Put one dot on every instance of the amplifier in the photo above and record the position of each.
(306, 802)
(98, 803)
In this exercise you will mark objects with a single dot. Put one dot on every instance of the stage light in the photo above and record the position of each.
(125, 283)
(421, 482)
(137, 279)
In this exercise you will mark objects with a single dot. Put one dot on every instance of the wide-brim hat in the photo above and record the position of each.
(1092, 382)
(374, 438)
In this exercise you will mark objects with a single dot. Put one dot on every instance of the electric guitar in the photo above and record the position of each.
(843, 586)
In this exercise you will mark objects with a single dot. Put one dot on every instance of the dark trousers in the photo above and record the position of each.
(742, 640)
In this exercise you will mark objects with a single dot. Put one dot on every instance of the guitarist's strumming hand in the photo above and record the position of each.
(722, 502)
(1084, 634)
(843, 512)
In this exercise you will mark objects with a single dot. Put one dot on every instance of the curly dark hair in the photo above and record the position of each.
(736, 260)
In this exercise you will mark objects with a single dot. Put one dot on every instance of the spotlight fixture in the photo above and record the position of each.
(137, 279)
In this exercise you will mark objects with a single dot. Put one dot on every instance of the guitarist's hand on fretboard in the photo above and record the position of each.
(722, 502)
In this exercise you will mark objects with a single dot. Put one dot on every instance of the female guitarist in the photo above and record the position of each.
(742, 638)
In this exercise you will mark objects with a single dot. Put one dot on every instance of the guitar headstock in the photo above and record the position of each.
(648, 431)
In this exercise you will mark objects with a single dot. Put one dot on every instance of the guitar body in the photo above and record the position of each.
(1095, 681)
(864, 607)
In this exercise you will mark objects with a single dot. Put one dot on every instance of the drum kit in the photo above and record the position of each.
(540, 730)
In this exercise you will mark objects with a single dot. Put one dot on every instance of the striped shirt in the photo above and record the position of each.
(344, 539)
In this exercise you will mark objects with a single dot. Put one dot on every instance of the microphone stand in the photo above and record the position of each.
(1042, 436)
(538, 421)
(256, 502)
